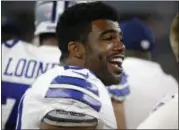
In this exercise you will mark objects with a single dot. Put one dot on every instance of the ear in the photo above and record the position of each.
(76, 50)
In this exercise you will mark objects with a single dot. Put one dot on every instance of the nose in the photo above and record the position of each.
(118, 46)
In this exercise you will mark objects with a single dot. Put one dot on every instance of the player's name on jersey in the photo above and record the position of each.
(26, 68)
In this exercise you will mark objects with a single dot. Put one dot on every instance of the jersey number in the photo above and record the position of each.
(6, 110)
(10, 97)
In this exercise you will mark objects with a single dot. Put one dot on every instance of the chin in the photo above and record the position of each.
(116, 81)
(111, 80)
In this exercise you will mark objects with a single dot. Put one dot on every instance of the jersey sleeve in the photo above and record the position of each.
(164, 100)
(71, 102)
(166, 117)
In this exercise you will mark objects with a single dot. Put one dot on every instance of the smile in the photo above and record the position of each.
(115, 62)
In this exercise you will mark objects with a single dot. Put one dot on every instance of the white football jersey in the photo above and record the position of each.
(67, 96)
(21, 64)
(148, 85)
(165, 117)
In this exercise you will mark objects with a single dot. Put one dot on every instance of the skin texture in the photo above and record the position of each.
(104, 42)
(50, 42)
(119, 113)
(174, 35)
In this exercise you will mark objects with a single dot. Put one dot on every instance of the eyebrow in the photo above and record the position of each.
(110, 31)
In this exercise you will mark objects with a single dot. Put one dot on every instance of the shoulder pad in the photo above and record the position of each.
(63, 118)
(75, 88)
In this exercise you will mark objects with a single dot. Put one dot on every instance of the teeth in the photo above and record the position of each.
(117, 60)
(115, 65)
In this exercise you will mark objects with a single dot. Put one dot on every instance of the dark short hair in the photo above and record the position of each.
(75, 22)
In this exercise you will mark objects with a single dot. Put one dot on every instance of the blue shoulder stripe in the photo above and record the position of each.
(10, 43)
(77, 82)
(73, 67)
(74, 94)
(120, 92)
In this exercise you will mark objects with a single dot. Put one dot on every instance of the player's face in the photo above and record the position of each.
(105, 51)
(174, 36)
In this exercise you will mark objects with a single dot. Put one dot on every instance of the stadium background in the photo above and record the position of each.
(158, 15)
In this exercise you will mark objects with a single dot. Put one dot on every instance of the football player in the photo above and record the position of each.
(74, 95)
(22, 62)
(165, 115)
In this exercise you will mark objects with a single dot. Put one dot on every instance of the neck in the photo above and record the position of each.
(6, 38)
(50, 42)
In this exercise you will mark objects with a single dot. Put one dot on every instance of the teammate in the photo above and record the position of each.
(147, 81)
(165, 115)
(22, 62)
(174, 36)
(72, 95)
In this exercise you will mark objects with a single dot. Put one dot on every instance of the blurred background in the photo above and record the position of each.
(17, 18)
